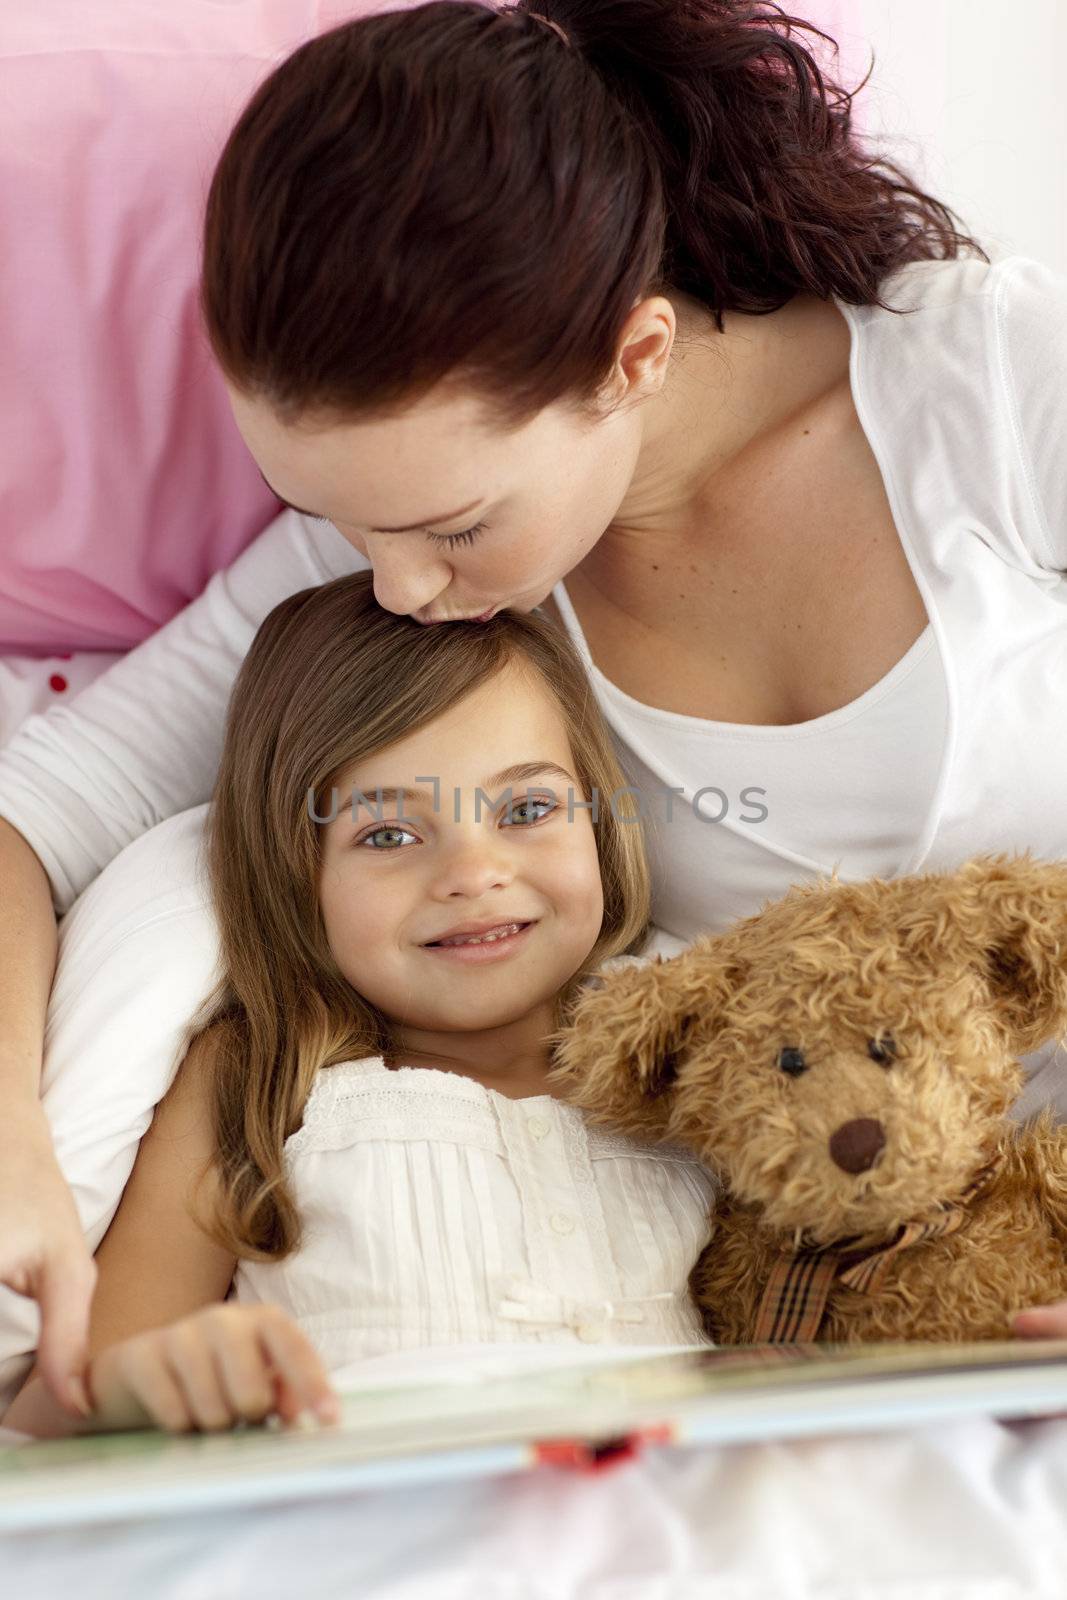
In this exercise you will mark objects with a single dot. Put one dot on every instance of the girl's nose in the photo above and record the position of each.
(473, 866)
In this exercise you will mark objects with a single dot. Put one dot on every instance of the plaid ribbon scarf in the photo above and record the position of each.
(794, 1300)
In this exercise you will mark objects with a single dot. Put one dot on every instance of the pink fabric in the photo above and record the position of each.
(124, 483)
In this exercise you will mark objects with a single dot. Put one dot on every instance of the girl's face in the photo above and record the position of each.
(390, 886)
(456, 519)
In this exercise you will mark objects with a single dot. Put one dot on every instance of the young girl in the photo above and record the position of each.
(419, 848)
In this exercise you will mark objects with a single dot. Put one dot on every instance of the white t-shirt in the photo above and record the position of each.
(439, 1212)
(963, 401)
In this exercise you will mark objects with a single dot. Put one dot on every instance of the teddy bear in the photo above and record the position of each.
(844, 1062)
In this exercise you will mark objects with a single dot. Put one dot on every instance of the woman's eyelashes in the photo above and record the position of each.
(393, 827)
(468, 535)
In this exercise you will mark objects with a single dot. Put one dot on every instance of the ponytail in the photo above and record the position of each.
(768, 191)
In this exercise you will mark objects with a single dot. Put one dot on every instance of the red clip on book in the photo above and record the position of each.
(580, 1455)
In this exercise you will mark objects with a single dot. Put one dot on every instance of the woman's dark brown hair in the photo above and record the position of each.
(454, 192)
(330, 679)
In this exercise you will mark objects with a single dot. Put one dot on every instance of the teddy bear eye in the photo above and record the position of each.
(883, 1049)
(792, 1060)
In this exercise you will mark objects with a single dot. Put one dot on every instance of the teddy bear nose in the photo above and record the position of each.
(856, 1145)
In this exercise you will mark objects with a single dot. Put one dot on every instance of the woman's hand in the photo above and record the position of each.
(222, 1365)
(43, 1253)
(1041, 1322)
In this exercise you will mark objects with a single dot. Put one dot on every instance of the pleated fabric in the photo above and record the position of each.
(437, 1211)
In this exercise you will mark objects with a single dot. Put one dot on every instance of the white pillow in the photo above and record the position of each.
(138, 956)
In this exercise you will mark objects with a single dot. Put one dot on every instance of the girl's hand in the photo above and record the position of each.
(222, 1365)
(1041, 1322)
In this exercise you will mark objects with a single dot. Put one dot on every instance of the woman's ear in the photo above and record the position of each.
(619, 1056)
(1014, 914)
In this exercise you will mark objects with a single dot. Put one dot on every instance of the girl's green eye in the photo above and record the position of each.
(375, 832)
(539, 800)
(468, 535)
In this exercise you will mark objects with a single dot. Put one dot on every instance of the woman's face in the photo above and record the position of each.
(521, 509)
(391, 884)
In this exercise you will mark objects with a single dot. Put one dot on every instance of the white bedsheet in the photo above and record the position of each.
(971, 1511)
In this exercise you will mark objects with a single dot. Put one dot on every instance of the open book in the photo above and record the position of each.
(481, 1417)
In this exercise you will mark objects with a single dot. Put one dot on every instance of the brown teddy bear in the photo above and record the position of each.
(844, 1061)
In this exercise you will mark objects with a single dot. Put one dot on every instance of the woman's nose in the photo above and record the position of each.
(403, 582)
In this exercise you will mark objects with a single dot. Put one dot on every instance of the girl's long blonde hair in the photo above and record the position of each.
(330, 679)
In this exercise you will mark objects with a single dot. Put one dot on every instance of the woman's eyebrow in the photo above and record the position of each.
(427, 522)
(409, 527)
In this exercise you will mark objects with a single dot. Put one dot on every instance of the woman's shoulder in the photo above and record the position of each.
(975, 373)
(926, 298)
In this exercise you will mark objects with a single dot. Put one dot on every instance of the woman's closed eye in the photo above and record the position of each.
(508, 818)
(468, 535)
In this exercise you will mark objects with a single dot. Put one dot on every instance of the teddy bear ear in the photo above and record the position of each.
(619, 1056)
(1013, 912)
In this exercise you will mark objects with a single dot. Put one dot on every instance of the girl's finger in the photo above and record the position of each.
(297, 1363)
(147, 1377)
(245, 1373)
(191, 1362)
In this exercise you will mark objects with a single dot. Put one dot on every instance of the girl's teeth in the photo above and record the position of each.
(483, 938)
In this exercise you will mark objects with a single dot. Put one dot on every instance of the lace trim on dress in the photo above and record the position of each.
(347, 1098)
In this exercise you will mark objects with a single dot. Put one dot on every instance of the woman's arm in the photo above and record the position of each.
(42, 1251)
(143, 741)
(155, 1264)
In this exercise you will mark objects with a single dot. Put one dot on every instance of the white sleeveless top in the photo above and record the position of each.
(849, 790)
(437, 1211)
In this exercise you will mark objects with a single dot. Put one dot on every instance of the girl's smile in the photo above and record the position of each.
(497, 948)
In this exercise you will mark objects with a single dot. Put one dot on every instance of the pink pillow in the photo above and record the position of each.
(124, 483)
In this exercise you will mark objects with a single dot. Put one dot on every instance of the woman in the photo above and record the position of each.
(608, 295)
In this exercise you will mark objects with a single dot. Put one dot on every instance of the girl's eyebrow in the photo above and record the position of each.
(410, 527)
(523, 771)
